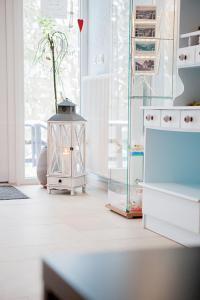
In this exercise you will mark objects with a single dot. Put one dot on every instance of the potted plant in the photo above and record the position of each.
(53, 47)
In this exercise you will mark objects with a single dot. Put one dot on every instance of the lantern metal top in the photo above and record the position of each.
(66, 113)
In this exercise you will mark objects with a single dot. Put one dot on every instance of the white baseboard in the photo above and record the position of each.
(179, 235)
(96, 181)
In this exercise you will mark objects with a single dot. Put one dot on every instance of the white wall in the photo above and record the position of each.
(3, 97)
(96, 54)
(11, 91)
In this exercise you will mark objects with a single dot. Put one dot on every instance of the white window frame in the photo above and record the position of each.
(15, 86)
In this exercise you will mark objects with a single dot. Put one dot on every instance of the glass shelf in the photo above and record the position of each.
(152, 97)
(150, 39)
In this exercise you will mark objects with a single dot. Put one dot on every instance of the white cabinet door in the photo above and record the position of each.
(186, 56)
(3, 98)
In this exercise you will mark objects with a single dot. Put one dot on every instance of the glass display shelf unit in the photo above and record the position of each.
(143, 72)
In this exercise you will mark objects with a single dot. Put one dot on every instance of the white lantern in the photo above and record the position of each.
(66, 149)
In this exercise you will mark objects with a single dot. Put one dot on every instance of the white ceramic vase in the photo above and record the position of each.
(42, 167)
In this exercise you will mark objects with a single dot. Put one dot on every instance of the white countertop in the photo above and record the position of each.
(171, 107)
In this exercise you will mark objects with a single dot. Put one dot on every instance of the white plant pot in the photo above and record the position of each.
(42, 167)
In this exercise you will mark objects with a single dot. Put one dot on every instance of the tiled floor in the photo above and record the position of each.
(46, 224)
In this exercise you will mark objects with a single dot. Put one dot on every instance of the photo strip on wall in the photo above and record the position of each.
(144, 48)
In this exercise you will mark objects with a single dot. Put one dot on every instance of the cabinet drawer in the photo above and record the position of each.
(58, 181)
(170, 119)
(152, 118)
(66, 182)
(197, 55)
(190, 119)
(186, 56)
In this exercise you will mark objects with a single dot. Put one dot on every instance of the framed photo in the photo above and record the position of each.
(145, 47)
(145, 31)
(145, 13)
(144, 65)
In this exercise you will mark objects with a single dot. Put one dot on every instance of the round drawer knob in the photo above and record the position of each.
(188, 119)
(183, 57)
(149, 118)
(60, 181)
(167, 119)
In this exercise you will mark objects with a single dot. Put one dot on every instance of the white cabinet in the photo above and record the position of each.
(171, 198)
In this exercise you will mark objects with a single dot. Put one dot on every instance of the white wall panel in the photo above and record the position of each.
(95, 108)
(3, 97)
(99, 37)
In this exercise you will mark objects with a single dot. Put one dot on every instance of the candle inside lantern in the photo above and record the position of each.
(66, 160)
(66, 151)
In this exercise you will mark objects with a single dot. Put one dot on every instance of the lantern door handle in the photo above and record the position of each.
(71, 149)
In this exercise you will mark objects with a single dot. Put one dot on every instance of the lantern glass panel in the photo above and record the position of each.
(78, 161)
(59, 152)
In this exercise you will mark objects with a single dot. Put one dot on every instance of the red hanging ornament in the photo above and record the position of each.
(80, 24)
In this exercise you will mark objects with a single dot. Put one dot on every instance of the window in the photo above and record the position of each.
(38, 79)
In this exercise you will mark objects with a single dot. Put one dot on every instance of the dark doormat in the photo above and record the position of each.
(8, 192)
